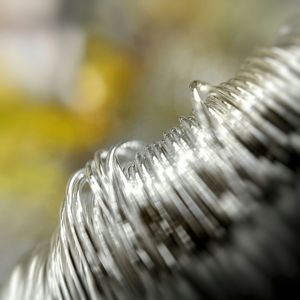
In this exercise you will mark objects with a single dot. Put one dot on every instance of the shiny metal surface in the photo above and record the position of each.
(135, 211)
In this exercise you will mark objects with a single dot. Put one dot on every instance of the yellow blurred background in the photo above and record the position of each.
(80, 75)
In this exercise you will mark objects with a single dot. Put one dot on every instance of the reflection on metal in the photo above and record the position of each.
(138, 211)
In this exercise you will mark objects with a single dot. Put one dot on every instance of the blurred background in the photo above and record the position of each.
(78, 75)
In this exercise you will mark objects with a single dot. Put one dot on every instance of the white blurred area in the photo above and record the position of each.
(42, 61)
(26, 12)
(38, 51)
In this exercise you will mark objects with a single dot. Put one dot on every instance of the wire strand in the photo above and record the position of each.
(136, 211)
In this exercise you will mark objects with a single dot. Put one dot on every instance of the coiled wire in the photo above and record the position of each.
(136, 212)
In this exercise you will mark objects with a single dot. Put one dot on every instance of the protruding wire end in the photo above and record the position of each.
(200, 90)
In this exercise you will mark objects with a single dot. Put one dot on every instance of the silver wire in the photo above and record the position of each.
(137, 211)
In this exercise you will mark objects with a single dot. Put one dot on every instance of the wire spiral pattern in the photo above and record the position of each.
(135, 211)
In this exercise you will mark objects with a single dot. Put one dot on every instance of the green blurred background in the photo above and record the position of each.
(83, 74)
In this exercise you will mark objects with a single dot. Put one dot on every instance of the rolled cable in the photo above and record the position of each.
(137, 213)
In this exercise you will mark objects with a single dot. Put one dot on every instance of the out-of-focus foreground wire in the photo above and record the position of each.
(139, 216)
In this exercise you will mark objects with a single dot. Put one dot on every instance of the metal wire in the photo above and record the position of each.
(136, 212)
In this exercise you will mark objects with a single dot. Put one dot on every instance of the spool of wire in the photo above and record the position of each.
(186, 217)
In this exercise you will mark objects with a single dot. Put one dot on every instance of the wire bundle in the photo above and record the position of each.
(137, 213)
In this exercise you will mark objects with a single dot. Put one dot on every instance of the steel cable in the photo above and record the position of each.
(138, 215)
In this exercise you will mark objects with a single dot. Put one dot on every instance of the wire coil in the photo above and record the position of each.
(136, 211)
